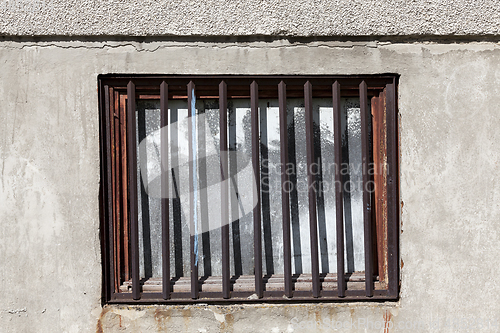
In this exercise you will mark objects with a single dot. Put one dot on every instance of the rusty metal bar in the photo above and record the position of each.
(257, 232)
(151, 82)
(285, 192)
(379, 206)
(193, 204)
(270, 296)
(312, 186)
(134, 223)
(124, 183)
(339, 199)
(226, 283)
(392, 190)
(165, 244)
(367, 214)
(117, 180)
(114, 208)
(103, 193)
(107, 103)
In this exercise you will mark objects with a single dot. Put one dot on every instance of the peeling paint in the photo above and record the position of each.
(219, 316)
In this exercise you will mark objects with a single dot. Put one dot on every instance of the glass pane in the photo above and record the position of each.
(207, 181)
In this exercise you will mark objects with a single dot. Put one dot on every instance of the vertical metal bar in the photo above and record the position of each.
(285, 192)
(165, 243)
(134, 223)
(124, 182)
(367, 218)
(117, 179)
(257, 233)
(193, 204)
(379, 206)
(226, 286)
(112, 181)
(392, 189)
(339, 199)
(311, 180)
(109, 193)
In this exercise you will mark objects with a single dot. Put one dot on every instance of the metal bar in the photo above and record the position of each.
(379, 207)
(367, 218)
(134, 223)
(151, 82)
(112, 182)
(193, 204)
(109, 194)
(243, 297)
(124, 182)
(224, 194)
(117, 144)
(311, 180)
(103, 219)
(392, 190)
(339, 199)
(165, 243)
(257, 232)
(285, 193)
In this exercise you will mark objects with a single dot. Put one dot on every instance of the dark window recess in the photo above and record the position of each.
(289, 194)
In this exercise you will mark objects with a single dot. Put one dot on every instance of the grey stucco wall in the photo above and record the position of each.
(255, 17)
(50, 273)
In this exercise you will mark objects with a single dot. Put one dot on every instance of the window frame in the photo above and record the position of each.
(116, 90)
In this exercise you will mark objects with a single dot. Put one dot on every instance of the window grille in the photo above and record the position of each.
(126, 102)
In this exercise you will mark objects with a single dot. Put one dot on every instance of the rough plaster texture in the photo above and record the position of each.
(255, 17)
(50, 273)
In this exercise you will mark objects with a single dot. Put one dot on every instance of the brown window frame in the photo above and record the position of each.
(118, 195)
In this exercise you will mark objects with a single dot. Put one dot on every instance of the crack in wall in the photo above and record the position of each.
(140, 47)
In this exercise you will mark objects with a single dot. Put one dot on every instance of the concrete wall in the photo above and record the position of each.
(50, 276)
(254, 17)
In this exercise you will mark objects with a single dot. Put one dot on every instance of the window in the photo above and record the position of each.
(291, 194)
